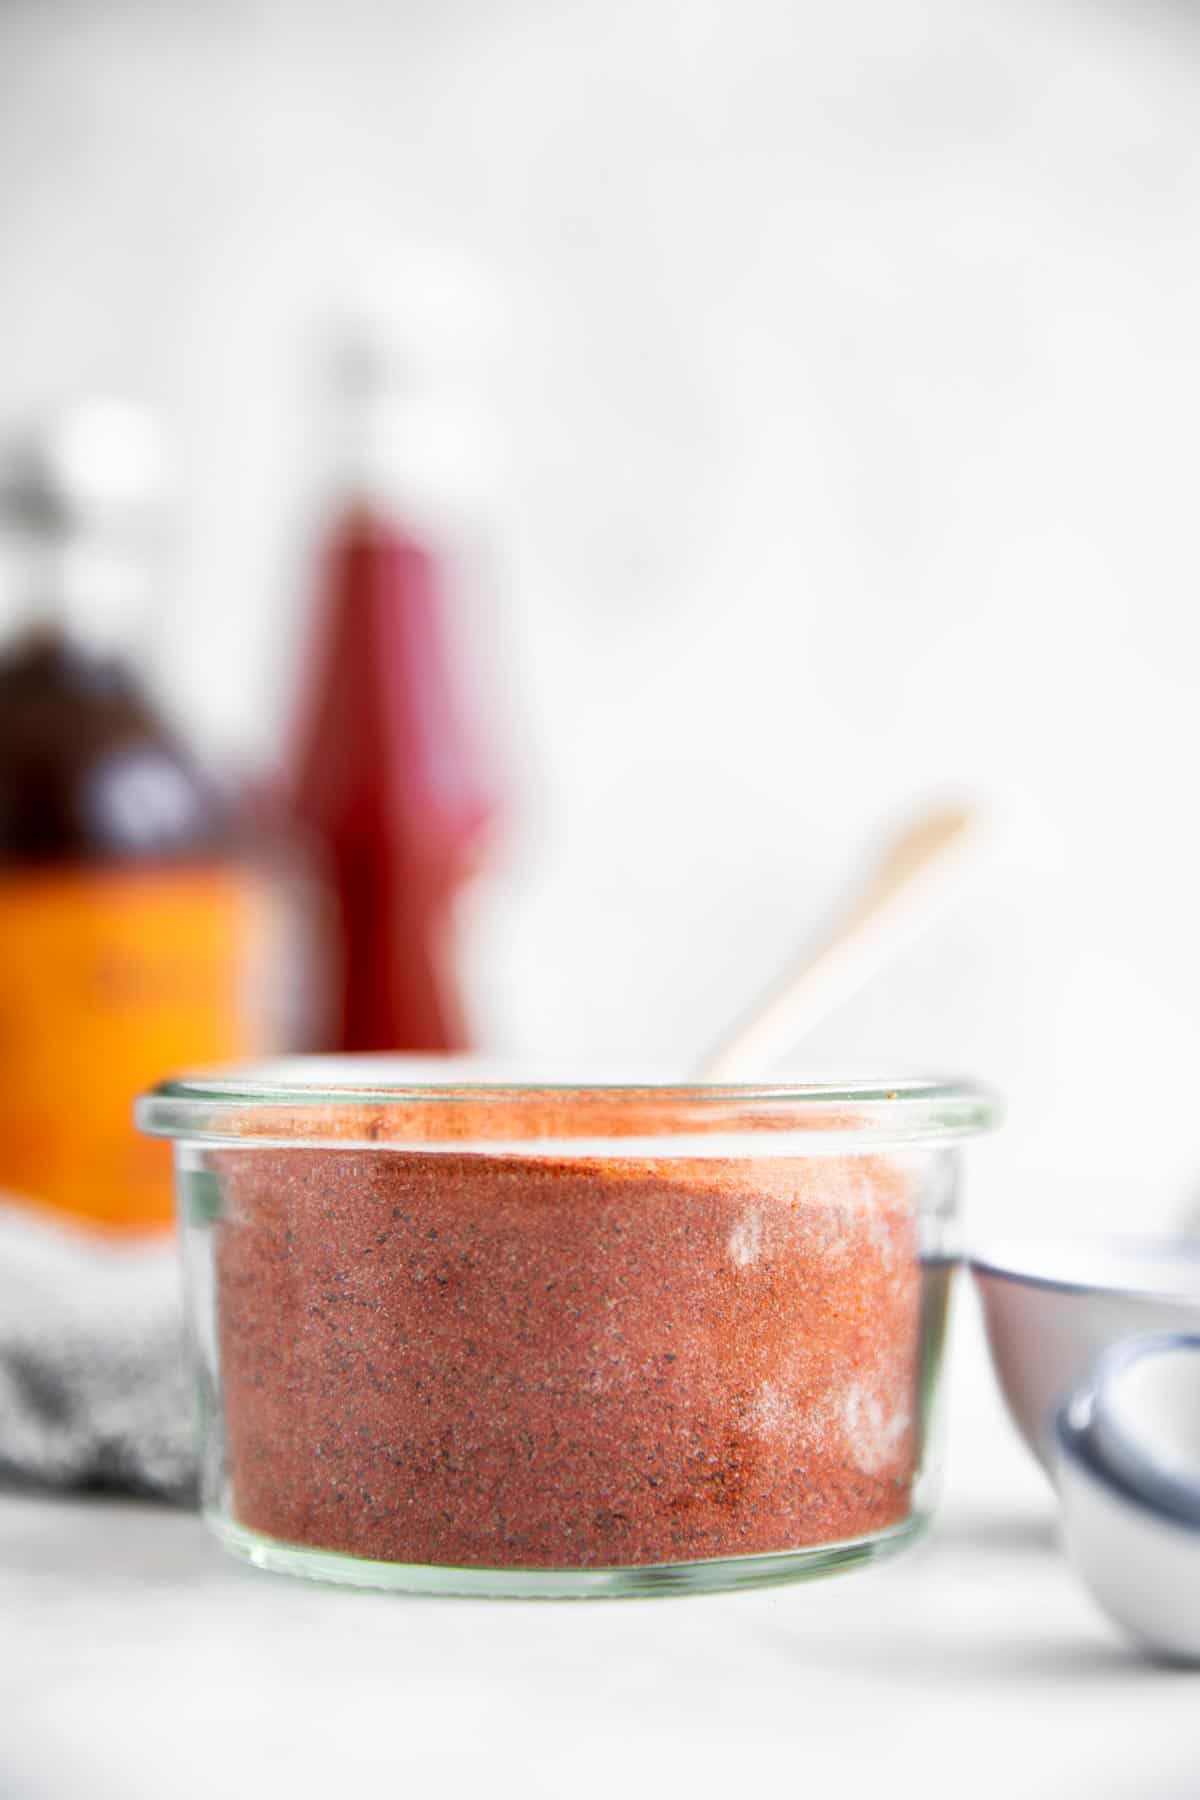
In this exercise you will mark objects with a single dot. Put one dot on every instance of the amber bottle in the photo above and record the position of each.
(135, 931)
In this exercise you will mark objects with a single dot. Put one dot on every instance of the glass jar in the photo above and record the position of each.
(494, 1339)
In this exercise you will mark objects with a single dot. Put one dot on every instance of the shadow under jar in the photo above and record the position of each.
(469, 1337)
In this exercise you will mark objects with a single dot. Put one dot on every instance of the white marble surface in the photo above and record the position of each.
(137, 1661)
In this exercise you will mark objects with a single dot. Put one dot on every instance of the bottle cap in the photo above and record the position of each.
(81, 500)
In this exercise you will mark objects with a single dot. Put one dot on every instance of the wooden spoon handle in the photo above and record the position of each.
(895, 905)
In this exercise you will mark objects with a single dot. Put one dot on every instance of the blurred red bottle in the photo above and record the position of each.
(387, 780)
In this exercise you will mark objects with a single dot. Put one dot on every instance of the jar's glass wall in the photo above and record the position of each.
(497, 1373)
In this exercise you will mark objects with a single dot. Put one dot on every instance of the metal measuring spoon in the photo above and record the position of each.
(1127, 1463)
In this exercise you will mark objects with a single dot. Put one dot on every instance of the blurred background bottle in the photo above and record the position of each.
(136, 929)
(387, 776)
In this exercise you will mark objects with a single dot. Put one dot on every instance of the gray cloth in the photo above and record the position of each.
(94, 1385)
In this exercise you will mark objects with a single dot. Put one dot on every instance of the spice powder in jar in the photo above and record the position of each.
(489, 1361)
(577, 1330)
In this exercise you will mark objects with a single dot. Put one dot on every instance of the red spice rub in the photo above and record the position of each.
(510, 1362)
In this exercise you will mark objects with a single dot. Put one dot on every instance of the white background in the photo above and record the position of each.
(844, 399)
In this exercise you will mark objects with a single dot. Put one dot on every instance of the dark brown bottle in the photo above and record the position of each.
(89, 770)
(134, 930)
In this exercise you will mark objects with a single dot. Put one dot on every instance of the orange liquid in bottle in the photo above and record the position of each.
(132, 933)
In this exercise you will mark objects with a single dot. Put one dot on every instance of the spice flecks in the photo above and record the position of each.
(508, 1361)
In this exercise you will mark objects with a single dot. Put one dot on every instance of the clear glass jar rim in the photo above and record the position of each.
(389, 1103)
